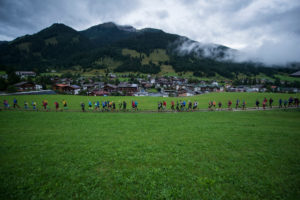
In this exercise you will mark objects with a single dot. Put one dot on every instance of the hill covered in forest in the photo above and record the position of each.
(122, 49)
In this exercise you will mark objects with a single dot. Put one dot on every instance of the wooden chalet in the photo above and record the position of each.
(24, 86)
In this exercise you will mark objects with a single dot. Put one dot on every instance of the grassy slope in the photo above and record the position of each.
(157, 56)
(149, 103)
(248, 155)
(108, 62)
(287, 78)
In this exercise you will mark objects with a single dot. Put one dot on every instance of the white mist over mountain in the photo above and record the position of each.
(268, 53)
(186, 46)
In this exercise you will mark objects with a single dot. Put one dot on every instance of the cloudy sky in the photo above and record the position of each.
(266, 30)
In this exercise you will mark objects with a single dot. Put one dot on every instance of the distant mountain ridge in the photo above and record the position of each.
(62, 47)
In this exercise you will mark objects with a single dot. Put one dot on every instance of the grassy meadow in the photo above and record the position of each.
(148, 103)
(208, 155)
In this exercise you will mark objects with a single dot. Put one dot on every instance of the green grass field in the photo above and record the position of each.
(287, 78)
(148, 103)
(210, 155)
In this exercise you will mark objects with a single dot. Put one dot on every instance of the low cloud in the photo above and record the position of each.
(185, 46)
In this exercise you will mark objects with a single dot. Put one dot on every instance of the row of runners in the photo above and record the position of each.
(109, 106)
(179, 106)
(105, 105)
(213, 105)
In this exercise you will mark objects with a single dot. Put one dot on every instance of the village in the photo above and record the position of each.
(167, 86)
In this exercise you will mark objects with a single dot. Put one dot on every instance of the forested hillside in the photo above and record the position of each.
(60, 47)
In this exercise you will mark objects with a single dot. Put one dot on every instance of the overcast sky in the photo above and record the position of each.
(267, 30)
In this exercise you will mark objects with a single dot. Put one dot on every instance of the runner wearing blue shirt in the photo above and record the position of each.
(90, 105)
(103, 105)
(135, 105)
(98, 105)
(6, 105)
(237, 104)
(280, 103)
(33, 105)
(16, 103)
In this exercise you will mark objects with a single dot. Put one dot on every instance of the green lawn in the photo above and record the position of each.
(211, 155)
(51, 74)
(149, 103)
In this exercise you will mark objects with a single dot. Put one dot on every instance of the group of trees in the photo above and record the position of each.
(135, 65)
(209, 67)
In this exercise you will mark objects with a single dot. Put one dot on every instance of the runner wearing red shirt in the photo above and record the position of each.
(56, 105)
(229, 104)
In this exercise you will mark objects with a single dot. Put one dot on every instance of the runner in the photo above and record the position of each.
(177, 106)
(159, 106)
(16, 103)
(237, 104)
(103, 105)
(110, 104)
(181, 106)
(229, 104)
(45, 105)
(214, 104)
(264, 104)
(65, 104)
(98, 105)
(172, 106)
(136, 105)
(257, 104)
(195, 105)
(184, 104)
(271, 102)
(124, 105)
(33, 103)
(220, 105)
(296, 99)
(285, 103)
(95, 105)
(56, 105)
(164, 105)
(82, 106)
(291, 101)
(132, 105)
(244, 105)
(113, 106)
(280, 103)
(120, 105)
(25, 105)
(190, 105)
(90, 105)
(6, 105)
(209, 105)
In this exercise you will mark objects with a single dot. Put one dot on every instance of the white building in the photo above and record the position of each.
(24, 74)
(38, 87)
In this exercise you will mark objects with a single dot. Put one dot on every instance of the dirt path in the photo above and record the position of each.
(150, 111)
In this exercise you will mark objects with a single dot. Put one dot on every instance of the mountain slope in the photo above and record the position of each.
(50, 46)
(62, 47)
(107, 33)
